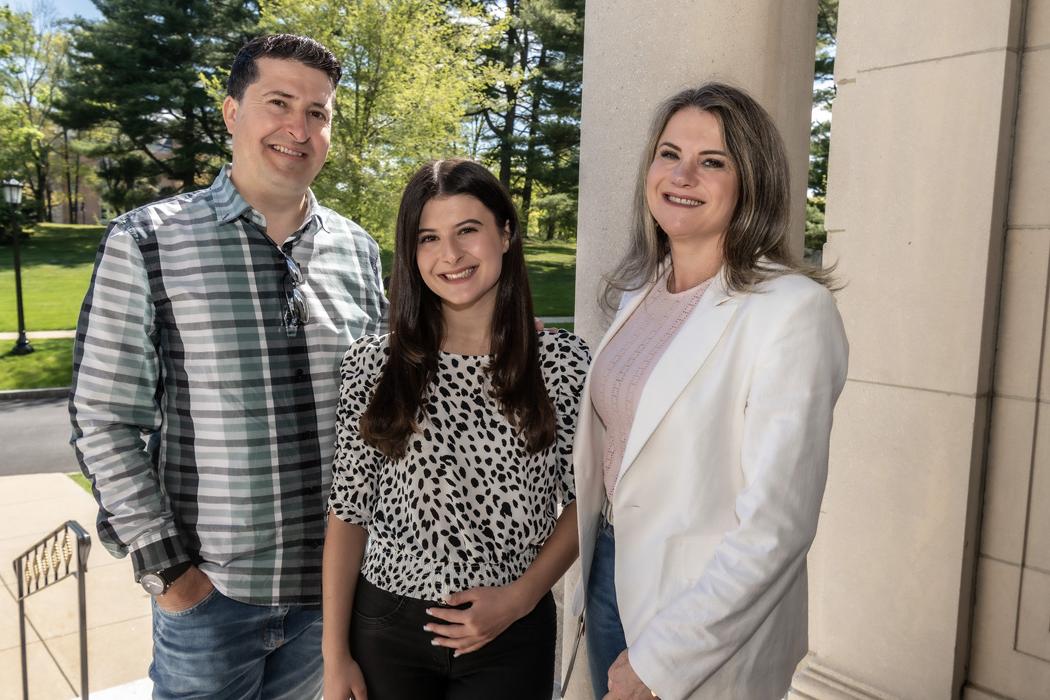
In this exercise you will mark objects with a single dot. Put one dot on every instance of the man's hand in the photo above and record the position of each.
(492, 610)
(186, 591)
(624, 683)
(343, 679)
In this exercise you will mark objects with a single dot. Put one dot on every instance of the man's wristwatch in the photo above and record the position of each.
(158, 582)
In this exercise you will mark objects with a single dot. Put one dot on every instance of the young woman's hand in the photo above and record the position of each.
(343, 679)
(492, 610)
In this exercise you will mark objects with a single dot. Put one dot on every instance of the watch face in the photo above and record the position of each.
(153, 584)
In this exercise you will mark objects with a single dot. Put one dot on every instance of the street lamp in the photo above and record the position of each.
(13, 197)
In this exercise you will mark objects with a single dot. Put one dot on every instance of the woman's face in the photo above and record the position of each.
(692, 185)
(459, 251)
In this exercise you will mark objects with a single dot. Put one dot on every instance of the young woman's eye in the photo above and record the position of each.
(467, 229)
(713, 163)
(426, 238)
(669, 154)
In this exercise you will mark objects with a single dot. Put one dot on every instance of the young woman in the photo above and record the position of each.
(702, 447)
(453, 454)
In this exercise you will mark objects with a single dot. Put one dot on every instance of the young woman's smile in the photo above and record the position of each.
(459, 251)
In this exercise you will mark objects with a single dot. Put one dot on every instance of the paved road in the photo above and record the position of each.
(34, 437)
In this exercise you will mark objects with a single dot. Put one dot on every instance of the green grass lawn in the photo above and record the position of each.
(552, 276)
(50, 365)
(80, 480)
(57, 261)
(56, 268)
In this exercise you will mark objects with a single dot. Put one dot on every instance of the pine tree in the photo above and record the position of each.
(143, 69)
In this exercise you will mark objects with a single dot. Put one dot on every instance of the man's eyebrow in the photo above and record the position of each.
(289, 96)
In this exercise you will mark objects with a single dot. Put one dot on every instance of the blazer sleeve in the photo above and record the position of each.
(797, 378)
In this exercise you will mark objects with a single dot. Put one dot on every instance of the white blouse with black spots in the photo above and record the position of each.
(467, 505)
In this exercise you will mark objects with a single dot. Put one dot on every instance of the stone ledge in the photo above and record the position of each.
(815, 682)
(28, 394)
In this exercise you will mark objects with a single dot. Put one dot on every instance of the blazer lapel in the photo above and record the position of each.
(681, 361)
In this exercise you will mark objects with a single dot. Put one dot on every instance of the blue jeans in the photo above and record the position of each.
(227, 650)
(605, 639)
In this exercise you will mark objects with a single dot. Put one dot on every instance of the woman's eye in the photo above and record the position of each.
(713, 163)
(426, 238)
(669, 155)
(467, 229)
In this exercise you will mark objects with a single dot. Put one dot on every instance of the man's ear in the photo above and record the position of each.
(229, 112)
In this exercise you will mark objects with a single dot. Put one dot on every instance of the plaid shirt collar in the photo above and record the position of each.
(230, 205)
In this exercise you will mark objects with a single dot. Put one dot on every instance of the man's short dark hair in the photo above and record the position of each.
(287, 47)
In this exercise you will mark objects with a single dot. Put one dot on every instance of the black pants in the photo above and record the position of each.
(399, 662)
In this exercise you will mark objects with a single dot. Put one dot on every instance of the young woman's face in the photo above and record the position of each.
(459, 251)
(691, 187)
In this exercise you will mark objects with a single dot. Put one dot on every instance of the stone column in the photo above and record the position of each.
(918, 192)
(636, 53)
(1010, 648)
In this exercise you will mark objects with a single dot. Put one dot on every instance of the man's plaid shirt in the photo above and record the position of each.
(206, 428)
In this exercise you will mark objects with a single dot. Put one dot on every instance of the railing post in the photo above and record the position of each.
(19, 576)
(45, 563)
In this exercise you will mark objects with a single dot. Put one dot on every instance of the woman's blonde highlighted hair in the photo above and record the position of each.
(755, 247)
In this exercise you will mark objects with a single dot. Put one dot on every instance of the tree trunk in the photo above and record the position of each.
(530, 149)
(506, 136)
(71, 202)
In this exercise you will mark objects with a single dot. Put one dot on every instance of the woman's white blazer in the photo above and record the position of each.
(719, 490)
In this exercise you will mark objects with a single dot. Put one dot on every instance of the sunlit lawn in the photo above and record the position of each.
(56, 268)
(50, 365)
(57, 261)
(552, 276)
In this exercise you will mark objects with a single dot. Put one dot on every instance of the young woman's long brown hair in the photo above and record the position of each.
(417, 327)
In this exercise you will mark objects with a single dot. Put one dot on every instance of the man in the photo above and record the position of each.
(214, 327)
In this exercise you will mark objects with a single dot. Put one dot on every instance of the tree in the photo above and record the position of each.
(410, 70)
(143, 69)
(33, 62)
(532, 108)
(552, 153)
(820, 130)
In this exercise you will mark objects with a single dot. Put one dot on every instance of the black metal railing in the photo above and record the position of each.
(61, 554)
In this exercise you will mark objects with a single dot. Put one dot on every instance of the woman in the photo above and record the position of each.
(702, 447)
(453, 454)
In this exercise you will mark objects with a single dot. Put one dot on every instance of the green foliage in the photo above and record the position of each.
(820, 131)
(56, 267)
(137, 69)
(33, 53)
(409, 73)
(530, 118)
(128, 180)
(49, 365)
(816, 235)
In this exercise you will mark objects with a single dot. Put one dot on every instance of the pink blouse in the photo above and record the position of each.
(623, 366)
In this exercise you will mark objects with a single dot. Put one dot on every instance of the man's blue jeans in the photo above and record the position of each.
(226, 650)
(605, 639)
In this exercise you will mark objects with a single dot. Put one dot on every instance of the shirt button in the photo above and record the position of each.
(299, 375)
